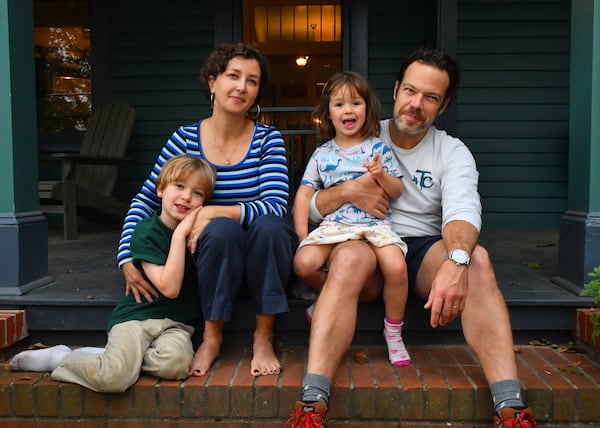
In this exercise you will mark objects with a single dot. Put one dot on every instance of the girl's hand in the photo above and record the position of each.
(375, 167)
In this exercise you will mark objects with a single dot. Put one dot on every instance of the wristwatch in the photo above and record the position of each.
(460, 257)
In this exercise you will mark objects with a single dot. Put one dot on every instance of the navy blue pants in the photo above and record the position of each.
(260, 258)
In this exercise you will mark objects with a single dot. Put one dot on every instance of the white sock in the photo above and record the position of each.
(39, 360)
(397, 353)
(90, 350)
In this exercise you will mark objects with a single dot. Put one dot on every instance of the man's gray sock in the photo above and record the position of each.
(316, 387)
(506, 393)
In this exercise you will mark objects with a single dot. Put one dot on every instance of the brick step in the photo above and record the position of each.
(443, 387)
(13, 327)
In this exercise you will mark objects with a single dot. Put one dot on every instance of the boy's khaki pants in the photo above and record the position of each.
(160, 347)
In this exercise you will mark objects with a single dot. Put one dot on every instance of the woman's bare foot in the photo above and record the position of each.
(209, 350)
(204, 357)
(264, 361)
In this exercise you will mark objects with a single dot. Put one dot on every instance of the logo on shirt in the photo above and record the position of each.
(423, 179)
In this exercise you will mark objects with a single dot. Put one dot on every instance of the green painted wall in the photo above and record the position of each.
(156, 54)
(513, 107)
(395, 29)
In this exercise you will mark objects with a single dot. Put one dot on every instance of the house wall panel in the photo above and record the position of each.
(395, 29)
(513, 107)
(156, 53)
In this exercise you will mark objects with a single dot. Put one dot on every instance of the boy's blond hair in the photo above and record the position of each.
(181, 167)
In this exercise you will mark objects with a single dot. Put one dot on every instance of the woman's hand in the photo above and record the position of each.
(136, 284)
(203, 217)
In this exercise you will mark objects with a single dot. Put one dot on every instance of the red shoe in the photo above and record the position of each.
(308, 415)
(515, 418)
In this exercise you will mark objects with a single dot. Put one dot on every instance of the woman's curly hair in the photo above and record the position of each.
(217, 60)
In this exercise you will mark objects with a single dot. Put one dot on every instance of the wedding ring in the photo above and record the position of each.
(454, 306)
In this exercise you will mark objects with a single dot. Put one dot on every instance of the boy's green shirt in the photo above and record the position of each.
(150, 242)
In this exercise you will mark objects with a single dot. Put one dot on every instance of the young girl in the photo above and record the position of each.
(348, 124)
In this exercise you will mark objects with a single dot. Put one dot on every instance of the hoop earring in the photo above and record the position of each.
(256, 116)
(212, 100)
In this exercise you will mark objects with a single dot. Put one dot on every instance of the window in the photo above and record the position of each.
(302, 40)
(63, 66)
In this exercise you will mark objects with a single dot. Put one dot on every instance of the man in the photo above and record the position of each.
(439, 217)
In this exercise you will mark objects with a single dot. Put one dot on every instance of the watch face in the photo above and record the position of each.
(460, 257)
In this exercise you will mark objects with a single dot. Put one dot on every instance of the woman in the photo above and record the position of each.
(240, 236)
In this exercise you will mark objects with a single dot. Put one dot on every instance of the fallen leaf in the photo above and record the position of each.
(569, 347)
(90, 297)
(540, 342)
(360, 357)
(568, 370)
(534, 265)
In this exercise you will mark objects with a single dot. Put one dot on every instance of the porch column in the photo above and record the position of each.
(23, 229)
(579, 240)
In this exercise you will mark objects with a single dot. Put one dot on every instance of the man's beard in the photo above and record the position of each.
(410, 131)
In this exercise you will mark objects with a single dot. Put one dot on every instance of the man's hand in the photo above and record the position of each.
(364, 193)
(136, 284)
(448, 293)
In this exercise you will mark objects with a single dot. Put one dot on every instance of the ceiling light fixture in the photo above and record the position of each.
(301, 61)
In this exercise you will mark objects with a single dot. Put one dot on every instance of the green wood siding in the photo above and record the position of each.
(156, 53)
(395, 29)
(513, 107)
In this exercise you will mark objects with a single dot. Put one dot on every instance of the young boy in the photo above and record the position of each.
(150, 336)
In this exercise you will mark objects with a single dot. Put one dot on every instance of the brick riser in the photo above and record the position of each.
(444, 386)
(583, 329)
(13, 327)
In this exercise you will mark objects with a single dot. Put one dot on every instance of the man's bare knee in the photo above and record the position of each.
(481, 272)
(355, 255)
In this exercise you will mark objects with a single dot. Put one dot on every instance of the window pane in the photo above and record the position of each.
(63, 70)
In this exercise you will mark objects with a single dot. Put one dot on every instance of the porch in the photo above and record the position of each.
(443, 387)
(87, 283)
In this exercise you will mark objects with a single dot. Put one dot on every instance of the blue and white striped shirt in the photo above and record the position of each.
(258, 184)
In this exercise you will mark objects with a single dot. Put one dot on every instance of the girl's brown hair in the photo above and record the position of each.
(181, 167)
(357, 85)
